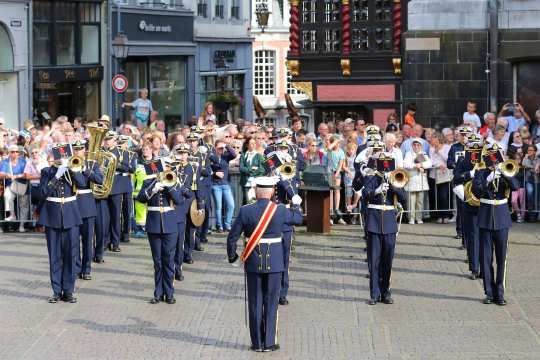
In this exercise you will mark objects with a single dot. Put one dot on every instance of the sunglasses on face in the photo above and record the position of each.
(227, 136)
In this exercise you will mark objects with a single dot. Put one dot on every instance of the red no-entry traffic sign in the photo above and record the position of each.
(119, 83)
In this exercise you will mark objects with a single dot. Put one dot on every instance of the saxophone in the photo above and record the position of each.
(105, 160)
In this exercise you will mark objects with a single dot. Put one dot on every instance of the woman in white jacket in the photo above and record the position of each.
(417, 162)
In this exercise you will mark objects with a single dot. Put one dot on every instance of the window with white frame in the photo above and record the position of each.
(202, 8)
(291, 90)
(264, 82)
(219, 9)
(235, 9)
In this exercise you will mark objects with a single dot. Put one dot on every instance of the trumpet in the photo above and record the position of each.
(75, 163)
(287, 170)
(508, 168)
(398, 178)
(168, 178)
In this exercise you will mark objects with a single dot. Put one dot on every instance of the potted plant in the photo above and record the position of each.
(224, 100)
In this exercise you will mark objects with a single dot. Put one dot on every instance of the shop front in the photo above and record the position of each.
(160, 59)
(225, 67)
(14, 93)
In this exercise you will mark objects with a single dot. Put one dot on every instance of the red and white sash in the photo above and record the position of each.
(257, 234)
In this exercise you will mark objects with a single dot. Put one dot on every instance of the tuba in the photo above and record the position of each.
(105, 160)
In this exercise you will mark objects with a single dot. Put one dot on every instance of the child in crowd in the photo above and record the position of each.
(336, 161)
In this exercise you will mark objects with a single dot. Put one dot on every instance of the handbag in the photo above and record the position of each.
(18, 188)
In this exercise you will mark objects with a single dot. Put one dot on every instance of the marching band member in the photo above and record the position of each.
(463, 173)
(456, 151)
(60, 216)
(184, 174)
(263, 256)
(129, 159)
(103, 218)
(162, 228)
(382, 198)
(87, 207)
(492, 186)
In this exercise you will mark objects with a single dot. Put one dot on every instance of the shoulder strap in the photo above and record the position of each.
(257, 234)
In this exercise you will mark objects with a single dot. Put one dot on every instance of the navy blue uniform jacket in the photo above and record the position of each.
(493, 217)
(54, 214)
(379, 221)
(185, 176)
(158, 222)
(87, 202)
(451, 161)
(462, 174)
(266, 258)
(124, 165)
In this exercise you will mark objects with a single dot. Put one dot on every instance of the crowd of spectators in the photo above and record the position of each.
(240, 148)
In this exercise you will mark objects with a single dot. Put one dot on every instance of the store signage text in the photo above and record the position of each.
(147, 27)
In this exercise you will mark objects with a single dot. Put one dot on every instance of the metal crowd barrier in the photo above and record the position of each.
(19, 204)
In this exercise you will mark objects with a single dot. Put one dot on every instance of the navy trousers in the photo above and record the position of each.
(87, 248)
(202, 231)
(179, 249)
(381, 251)
(287, 242)
(127, 215)
(189, 239)
(471, 233)
(494, 283)
(263, 299)
(62, 245)
(115, 213)
(162, 247)
(459, 220)
(102, 228)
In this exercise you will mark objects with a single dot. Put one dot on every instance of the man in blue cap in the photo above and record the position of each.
(262, 223)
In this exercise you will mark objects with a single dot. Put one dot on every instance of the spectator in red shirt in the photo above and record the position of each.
(411, 111)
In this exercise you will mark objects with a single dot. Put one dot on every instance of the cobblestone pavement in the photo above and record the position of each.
(438, 312)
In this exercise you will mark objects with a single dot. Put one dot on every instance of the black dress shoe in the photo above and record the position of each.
(500, 302)
(86, 277)
(171, 301)
(69, 298)
(54, 299)
(462, 248)
(457, 237)
(387, 300)
(154, 301)
(99, 261)
(219, 230)
(473, 276)
(190, 261)
(283, 301)
(256, 349)
(116, 249)
(110, 247)
(488, 300)
(372, 302)
(179, 277)
(271, 348)
(200, 248)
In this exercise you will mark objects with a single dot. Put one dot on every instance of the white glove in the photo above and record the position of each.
(493, 175)
(296, 200)
(382, 188)
(472, 172)
(157, 187)
(203, 149)
(386, 175)
(61, 171)
(459, 191)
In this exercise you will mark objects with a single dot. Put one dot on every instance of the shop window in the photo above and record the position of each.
(65, 44)
(264, 73)
(235, 9)
(528, 86)
(234, 83)
(219, 11)
(6, 51)
(168, 90)
(202, 8)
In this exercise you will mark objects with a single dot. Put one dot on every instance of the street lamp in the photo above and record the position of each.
(120, 46)
(262, 15)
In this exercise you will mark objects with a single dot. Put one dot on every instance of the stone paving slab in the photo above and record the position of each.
(438, 312)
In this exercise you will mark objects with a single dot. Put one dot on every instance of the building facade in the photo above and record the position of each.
(161, 58)
(15, 73)
(224, 55)
(67, 58)
(271, 78)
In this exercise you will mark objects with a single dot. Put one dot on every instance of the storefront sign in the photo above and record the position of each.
(225, 55)
(144, 26)
(120, 83)
(56, 75)
(174, 27)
